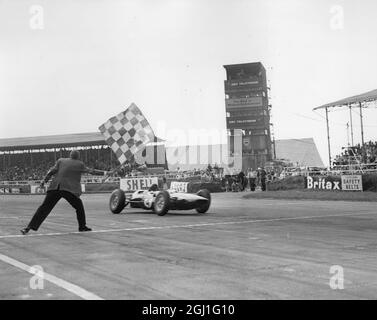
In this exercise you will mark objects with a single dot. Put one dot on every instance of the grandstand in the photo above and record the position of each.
(28, 158)
(24, 161)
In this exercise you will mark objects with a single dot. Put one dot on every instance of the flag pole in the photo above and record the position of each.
(108, 175)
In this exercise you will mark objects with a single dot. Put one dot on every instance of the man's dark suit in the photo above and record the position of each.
(65, 184)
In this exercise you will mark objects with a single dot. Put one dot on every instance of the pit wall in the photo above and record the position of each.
(192, 187)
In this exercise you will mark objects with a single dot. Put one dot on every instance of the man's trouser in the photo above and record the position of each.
(263, 184)
(252, 184)
(51, 199)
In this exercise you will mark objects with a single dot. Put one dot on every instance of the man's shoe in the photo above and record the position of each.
(84, 229)
(25, 231)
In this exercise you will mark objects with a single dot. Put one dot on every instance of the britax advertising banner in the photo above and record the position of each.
(323, 183)
(132, 184)
(341, 183)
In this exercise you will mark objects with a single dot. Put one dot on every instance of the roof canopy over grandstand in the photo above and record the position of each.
(360, 98)
(55, 141)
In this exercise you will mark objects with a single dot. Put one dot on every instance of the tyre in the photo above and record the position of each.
(161, 203)
(203, 208)
(117, 201)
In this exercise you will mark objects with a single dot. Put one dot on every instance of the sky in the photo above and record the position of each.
(68, 66)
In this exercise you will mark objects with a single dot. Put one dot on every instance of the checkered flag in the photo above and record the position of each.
(127, 133)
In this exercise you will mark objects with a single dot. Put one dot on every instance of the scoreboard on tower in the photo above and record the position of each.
(247, 108)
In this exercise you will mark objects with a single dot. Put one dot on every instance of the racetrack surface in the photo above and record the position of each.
(240, 249)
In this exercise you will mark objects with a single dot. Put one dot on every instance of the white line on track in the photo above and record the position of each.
(76, 290)
(59, 224)
(190, 225)
(9, 217)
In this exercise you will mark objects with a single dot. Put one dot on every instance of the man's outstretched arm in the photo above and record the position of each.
(50, 173)
(97, 172)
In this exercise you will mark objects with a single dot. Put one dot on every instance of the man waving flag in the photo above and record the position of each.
(128, 133)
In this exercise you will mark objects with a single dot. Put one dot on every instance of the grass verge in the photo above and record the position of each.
(314, 195)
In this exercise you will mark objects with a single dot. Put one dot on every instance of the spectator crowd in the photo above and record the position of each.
(250, 180)
(366, 154)
(34, 166)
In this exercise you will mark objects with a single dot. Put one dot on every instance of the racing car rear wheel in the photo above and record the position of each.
(203, 208)
(161, 203)
(117, 201)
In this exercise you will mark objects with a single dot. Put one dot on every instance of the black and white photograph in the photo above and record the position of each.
(201, 151)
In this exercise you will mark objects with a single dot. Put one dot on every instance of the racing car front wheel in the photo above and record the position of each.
(117, 201)
(161, 203)
(203, 207)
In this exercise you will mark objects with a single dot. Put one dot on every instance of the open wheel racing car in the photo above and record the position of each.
(160, 201)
